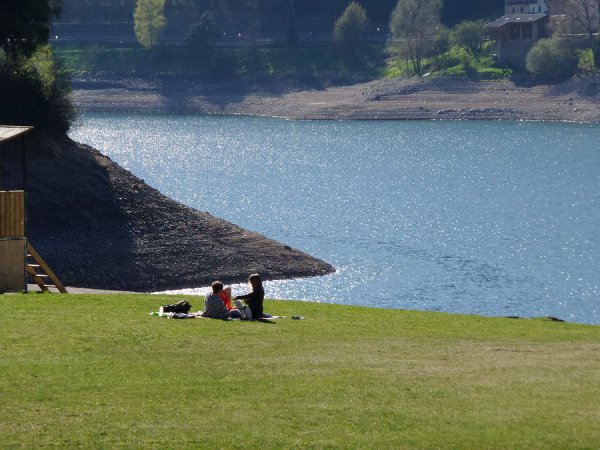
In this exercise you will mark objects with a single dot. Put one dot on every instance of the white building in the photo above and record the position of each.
(525, 7)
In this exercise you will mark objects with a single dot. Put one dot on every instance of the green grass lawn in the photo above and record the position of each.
(98, 372)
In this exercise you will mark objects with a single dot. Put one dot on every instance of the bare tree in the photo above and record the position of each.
(582, 15)
(413, 23)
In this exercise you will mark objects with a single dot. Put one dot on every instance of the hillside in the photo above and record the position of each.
(99, 226)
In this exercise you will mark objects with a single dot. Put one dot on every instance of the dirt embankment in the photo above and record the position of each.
(99, 226)
(399, 98)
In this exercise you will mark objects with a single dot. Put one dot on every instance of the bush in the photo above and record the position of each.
(552, 59)
(34, 92)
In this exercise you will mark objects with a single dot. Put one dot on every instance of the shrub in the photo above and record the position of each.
(552, 59)
(34, 92)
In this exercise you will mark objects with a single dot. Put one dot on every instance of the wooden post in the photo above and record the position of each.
(12, 240)
(12, 214)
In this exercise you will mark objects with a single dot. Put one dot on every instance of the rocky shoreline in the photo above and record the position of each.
(392, 99)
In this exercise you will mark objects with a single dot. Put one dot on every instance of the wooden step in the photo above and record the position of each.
(45, 269)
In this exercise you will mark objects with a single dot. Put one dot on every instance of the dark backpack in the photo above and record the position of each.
(180, 307)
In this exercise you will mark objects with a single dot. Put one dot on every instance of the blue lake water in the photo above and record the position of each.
(492, 218)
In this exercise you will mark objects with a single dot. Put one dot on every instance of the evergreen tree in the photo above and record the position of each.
(349, 31)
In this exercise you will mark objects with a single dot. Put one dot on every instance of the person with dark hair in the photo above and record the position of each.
(255, 298)
(214, 305)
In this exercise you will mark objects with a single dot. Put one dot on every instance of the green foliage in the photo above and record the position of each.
(33, 89)
(81, 371)
(149, 21)
(459, 63)
(413, 23)
(440, 47)
(35, 92)
(25, 24)
(441, 42)
(552, 59)
(349, 31)
(471, 35)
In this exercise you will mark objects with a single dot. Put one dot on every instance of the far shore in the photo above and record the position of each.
(387, 99)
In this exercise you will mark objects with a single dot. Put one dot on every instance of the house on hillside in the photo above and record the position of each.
(526, 21)
(515, 34)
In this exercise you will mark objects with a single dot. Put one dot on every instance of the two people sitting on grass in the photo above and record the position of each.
(217, 304)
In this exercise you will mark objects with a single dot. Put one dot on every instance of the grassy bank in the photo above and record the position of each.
(98, 371)
(316, 61)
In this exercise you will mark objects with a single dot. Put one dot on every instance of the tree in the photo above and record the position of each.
(33, 90)
(470, 35)
(583, 15)
(552, 59)
(149, 21)
(200, 39)
(202, 33)
(349, 31)
(25, 25)
(413, 23)
(440, 45)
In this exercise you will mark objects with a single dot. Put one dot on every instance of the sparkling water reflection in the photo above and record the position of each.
(491, 218)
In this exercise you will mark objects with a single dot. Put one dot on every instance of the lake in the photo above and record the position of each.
(490, 218)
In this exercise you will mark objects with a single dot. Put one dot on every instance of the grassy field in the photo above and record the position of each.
(95, 371)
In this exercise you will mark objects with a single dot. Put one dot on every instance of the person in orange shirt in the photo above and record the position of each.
(225, 296)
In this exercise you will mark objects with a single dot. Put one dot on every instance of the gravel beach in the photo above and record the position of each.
(395, 99)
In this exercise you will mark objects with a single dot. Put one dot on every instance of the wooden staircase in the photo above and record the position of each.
(41, 273)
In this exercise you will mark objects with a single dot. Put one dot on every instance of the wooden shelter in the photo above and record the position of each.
(515, 34)
(17, 257)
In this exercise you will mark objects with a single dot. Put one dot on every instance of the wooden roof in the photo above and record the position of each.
(10, 132)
